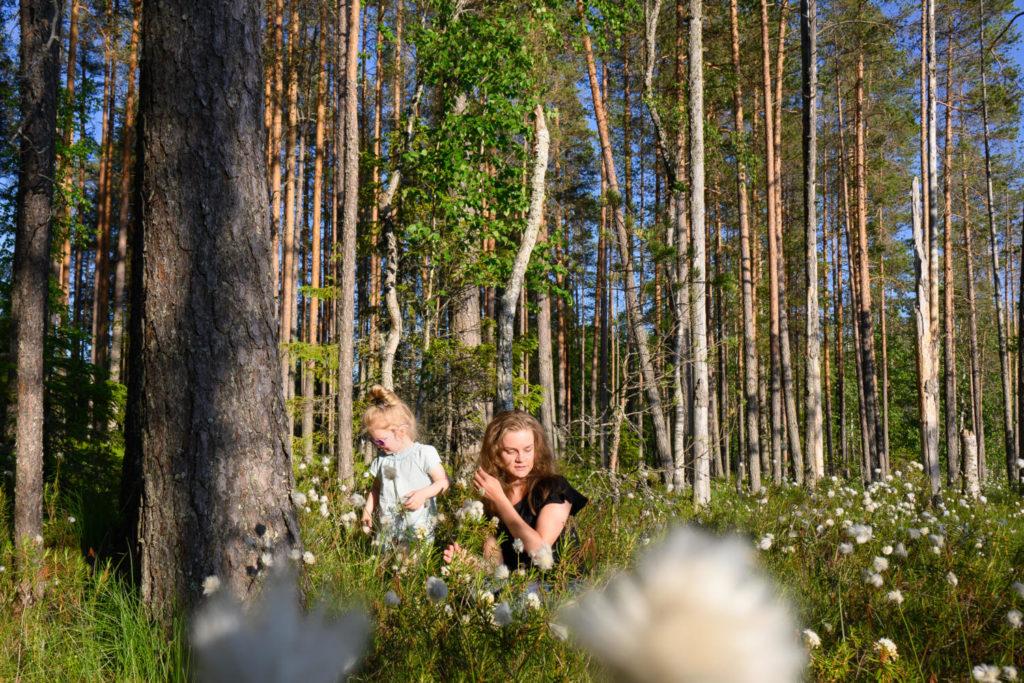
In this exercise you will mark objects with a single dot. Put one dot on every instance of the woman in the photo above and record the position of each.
(517, 481)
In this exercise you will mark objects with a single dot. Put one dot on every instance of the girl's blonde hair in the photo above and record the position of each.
(386, 410)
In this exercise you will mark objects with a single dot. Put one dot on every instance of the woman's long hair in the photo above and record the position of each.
(543, 471)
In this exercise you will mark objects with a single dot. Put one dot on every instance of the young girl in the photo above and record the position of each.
(518, 484)
(407, 475)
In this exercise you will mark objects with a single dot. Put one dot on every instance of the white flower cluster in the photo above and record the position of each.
(471, 510)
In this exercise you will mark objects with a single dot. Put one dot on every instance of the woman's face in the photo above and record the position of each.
(389, 439)
(517, 453)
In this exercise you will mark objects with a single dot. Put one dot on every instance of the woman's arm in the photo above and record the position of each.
(491, 556)
(550, 523)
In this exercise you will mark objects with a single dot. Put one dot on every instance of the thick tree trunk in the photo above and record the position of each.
(348, 154)
(809, 62)
(506, 313)
(636, 326)
(215, 461)
(37, 79)
(123, 224)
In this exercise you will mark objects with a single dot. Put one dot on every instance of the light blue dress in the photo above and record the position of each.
(400, 474)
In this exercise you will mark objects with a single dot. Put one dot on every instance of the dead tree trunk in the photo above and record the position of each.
(927, 387)
(215, 461)
(506, 314)
(949, 336)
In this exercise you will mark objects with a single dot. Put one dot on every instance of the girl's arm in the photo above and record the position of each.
(415, 500)
(371, 502)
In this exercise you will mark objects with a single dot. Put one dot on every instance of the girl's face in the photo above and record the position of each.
(389, 439)
(517, 453)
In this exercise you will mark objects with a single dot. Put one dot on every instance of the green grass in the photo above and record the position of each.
(90, 625)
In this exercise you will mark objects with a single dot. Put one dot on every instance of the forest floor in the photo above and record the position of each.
(944, 582)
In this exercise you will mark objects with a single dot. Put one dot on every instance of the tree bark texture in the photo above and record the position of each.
(38, 76)
(206, 418)
(928, 388)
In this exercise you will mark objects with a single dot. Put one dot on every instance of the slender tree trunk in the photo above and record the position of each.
(101, 281)
(38, 75)
(128, 144)
(288, 288)
(809, 60)
(883, 333)
(545, 364)
(949, 347)
(997, 285)
(637, 329)
(64, 267)
(274, 151)
(928, 390)
(348, 154)
(750, 361)
(977, 414)
(876, 456)
(969, 444)
(214, 474)
(698, 267)
(506, 313)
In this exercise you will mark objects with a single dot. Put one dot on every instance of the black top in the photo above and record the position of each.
(555, 490)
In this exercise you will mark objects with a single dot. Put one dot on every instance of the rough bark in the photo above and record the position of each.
(288, 288)
(63, 268)
(206, 418)
(969, 445)
(949, 319)
(504, 400)
(37, 79)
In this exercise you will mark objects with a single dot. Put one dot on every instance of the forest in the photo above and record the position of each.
(755, 267)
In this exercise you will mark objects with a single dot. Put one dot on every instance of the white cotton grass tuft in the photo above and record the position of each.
(502, 614)
(273, 640)
(1014, 618)
(697, 589)
(1009, 673)
(471, 509)
(880, 564)
(987, 673)
(951, 579)
(811, 639)
(501, 572)
(543, 558)
(895, 596)
(391, 599)
(886, 650)
(1018, 588)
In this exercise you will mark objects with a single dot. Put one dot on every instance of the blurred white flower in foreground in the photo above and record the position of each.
(271, 640)
(695, 609)
(437, 589)
(543, 558)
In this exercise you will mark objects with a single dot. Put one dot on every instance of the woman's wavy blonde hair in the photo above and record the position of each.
(386, 410)
(543, 471)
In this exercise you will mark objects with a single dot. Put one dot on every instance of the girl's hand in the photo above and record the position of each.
(367, 520)
(452, 551)
(488, 486)
(414, 500)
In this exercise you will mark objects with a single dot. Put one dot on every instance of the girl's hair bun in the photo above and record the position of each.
(383, 398)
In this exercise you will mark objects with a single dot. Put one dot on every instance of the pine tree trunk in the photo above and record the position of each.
(977, 414)
(750, 361)
(636, 326)
(949, 347)
(123, 224)
(38, 76)
(348, 155)
(1004, 353)
(288, 288)
(809, 62)
(215, 473)
(64, 218)
(274, 151)
(104, 192)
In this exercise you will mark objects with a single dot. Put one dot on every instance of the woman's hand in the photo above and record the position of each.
(414, 500)
(489, 486)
